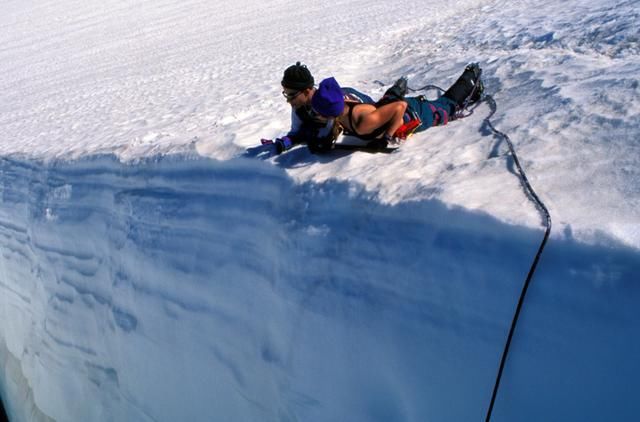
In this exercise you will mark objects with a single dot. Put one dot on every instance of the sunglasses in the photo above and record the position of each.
(291, 95)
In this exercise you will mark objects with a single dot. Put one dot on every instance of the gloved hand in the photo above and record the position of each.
(279, 144)
(321, 145)
(390, 140)
(283, 144)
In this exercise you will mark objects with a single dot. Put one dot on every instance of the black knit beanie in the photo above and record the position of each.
(297, 76)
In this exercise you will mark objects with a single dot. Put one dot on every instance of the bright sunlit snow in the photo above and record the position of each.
(151, 271)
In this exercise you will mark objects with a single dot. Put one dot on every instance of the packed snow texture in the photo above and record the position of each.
(150, 271)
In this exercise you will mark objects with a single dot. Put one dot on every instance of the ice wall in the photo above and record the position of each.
(180, 288)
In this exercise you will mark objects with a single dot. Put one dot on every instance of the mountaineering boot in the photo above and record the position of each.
(468, 88)
(398, 89)
(477, 93)
(396, 92)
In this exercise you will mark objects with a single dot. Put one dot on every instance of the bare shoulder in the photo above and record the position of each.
(360, 109)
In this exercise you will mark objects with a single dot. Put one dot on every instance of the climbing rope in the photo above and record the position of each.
(547, 222)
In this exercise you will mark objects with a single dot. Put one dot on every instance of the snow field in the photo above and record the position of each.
(148, 272)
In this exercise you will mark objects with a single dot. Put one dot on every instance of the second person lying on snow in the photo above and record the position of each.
(394, 116)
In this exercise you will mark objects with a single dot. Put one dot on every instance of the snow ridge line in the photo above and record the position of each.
(547, 220)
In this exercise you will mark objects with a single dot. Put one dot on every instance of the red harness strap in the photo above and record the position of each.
(407, 129)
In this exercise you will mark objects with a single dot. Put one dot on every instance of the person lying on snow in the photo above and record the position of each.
(392, 118)
(298, 89)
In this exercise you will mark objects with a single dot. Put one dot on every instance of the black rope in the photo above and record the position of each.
(3, 414)
(426, 88)
(547, 222)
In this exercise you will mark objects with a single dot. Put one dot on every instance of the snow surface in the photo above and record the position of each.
(149, 271)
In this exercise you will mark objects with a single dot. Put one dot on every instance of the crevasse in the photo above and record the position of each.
(182, 288)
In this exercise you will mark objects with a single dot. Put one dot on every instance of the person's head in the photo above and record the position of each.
(297, 84)
(328, 100)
